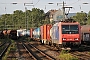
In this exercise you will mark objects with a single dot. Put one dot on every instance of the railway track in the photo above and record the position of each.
(12, 55)
(81, 55)
(50, 50)
(4, 49)
(83, 52)
(2, 44)
(26, 51)
(32, 51)
(24, 54)
(38, 54)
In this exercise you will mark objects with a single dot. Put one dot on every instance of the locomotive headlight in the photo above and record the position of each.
(64, 38)
(76, 38)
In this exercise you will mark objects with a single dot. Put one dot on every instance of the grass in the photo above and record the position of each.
(6, 54)
(2, 40)
(11, 47)
(89, 53)
(65, 55)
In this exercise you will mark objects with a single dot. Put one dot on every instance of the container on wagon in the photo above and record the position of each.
(54, 33)
(45, 32)
(8, 31)
(41, 32)
(36, 33)
(26, 32)
(4, 32)
(31, 33)
(48, 27)
(19, 33)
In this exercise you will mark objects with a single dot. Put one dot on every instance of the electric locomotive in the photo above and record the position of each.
(66, 33)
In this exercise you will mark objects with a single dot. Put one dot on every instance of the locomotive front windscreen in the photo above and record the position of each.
(70, 29)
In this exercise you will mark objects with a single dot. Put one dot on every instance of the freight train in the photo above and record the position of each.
(60, 33)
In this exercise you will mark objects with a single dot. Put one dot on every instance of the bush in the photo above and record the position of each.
(89, 53)
(64, 55)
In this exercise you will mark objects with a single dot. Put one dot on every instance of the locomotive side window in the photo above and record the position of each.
(70, 29)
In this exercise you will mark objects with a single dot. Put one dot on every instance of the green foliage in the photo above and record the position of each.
(12, 47)
(33, 19)
(2, 40)
(6, 54)
(64, 55)
(81, 17)
(89, 53)
(88, 18)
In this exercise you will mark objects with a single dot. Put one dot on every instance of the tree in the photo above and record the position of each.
(2, 21)
(88, 18)
(28, 19)
(37, 17)
(80, 17)
(19, 19)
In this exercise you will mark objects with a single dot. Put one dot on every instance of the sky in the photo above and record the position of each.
(6, 6)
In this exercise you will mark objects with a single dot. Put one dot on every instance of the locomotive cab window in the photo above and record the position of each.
(70, 29)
